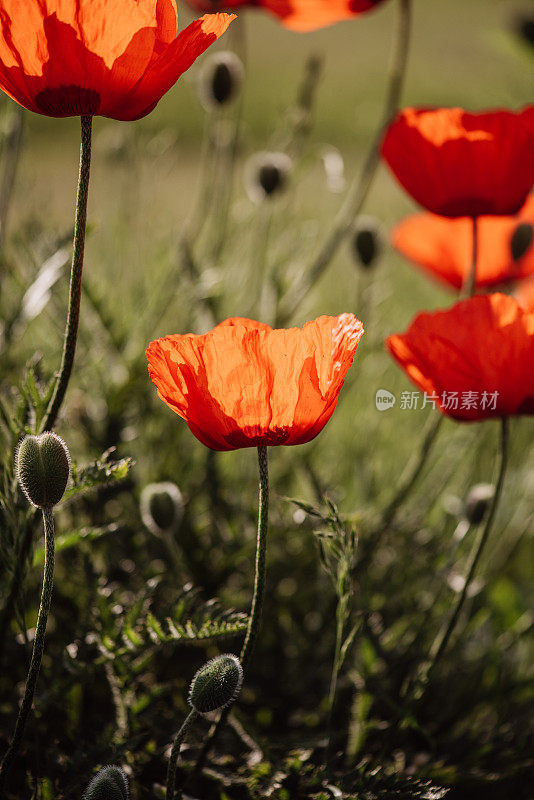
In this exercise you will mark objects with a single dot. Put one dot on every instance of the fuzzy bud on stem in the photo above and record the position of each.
(477, 503)
(216, 684)
(220, 80)
(521, 240)
(162, 507)
(267, 174)
(110, 783)
(43, 468)
(367, 241)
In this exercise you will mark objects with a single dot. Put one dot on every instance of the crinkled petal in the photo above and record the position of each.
(244, 384)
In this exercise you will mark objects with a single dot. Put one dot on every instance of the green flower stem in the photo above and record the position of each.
(38, 646)
(261, 551)
(257, 600)
(360, 189)
(471, 280)
(75, 291)
(11, 160)
(173, 758)
(442, 642)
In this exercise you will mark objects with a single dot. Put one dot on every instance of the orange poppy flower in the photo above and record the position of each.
(476, 359)
(244, 384)
(109, 57)
(444, 247)
(459, 164)
(299, 15)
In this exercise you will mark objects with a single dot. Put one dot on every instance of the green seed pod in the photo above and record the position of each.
(43, 468)
(110, 783)
(367, 241)
(477, 503)
(521, 240)
(220, 79)
(162, 507)
(216, 684)
(267, 174)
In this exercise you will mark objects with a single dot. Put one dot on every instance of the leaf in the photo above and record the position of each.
(187, 626)
(101, 472)
(72, 539)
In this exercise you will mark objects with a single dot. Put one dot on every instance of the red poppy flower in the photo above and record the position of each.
(300, 15)
(459, 164)
(475, 359)
(244, 384)
(444, 247)
(115, 58)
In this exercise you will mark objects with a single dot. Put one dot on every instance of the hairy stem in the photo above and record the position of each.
(470, 284)
(257, 600)
(11, 160)
(360, 189)
(173, 758)
(75, 291)
(38, 647)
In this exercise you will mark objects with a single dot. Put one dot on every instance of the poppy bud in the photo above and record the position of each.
(477, 503)
(43, 468)
(162, 507)
(220, 79)
(110, 783)
(524, 26)
(267, 174)
(367, 241)
(521, 240)
(216, 684)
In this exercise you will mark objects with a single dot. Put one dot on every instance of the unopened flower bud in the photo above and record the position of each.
(267, 174)
(477, 503)
(110, 783)
(216, 684)
(524, 25)
(162, 507)
(43, 468)
(367, 241)
(521, 240)
(221, 79)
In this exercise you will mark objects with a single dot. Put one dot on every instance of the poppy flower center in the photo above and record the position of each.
(67, 101)
(269, 438)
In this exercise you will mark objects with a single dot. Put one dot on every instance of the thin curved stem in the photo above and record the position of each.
(470, 284)
(360, 189)
(443, 641)
(173, 758)
(261, 551)
(11, 161)
(75, 291)
(257, 600)
(38, 647)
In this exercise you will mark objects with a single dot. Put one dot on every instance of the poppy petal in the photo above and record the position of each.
(443, 247)
(481, 345)
(174, 60)
(456, 164)
(244, 384)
